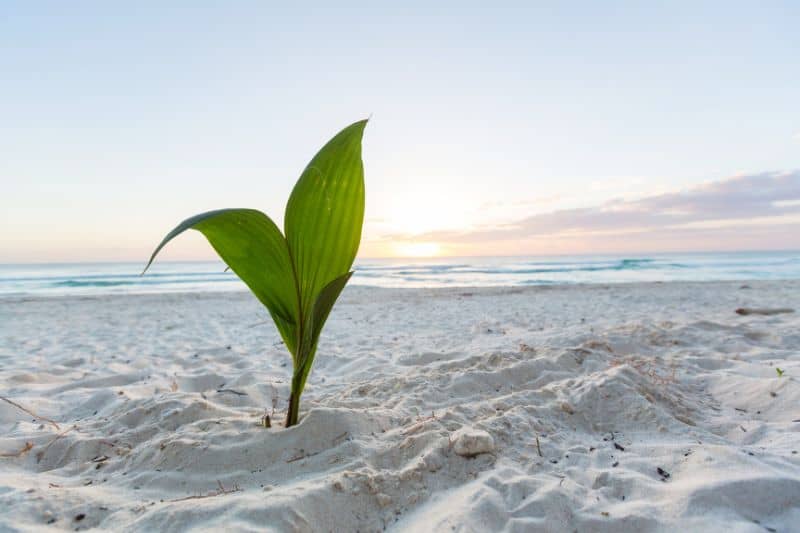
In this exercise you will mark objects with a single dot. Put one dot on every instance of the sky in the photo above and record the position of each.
(510, 128)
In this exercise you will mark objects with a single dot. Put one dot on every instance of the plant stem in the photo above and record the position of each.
(294, 409)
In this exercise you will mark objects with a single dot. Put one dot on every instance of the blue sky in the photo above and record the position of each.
(118, 120)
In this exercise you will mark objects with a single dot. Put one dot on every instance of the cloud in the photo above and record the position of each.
(770, 198)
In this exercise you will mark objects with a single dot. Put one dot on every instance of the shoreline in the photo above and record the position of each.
(500, 289)
(122, 278)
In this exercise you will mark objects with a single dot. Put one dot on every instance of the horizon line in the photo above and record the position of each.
(413, 258)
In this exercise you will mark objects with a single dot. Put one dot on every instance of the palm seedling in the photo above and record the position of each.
(297, 276)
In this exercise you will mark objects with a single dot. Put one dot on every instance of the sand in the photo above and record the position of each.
(639, 407)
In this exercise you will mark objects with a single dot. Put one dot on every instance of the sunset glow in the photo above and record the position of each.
(417, 249)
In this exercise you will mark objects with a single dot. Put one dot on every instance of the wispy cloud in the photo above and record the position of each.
(715, 209)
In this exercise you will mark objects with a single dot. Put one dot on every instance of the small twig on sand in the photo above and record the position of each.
(236, 392)
(744, 311)
(538, 448)
(418, 425)
(40, 454)
(25, 449)
(303, 455)
(34, 415)
(219, 492)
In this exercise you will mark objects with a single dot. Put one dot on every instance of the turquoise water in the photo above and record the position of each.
(104, 278)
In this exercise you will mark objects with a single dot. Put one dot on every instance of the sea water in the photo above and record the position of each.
(114, 278)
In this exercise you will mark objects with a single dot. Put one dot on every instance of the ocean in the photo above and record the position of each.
(116, 278)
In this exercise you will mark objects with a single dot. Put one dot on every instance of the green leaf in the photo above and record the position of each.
(324, 303)
(299, 277)
(250, 243)
(325, 214)
(317, 318)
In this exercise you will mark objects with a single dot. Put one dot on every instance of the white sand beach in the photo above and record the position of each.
(631, 407)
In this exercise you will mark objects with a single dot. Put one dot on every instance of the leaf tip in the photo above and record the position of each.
(150, 262)
(359, 125)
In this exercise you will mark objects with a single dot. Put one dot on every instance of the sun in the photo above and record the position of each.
(417, 249)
